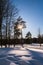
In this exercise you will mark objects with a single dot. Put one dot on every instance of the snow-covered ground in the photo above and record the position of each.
(29, 55)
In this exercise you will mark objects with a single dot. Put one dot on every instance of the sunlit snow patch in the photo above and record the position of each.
(26, 58)
(12, 63)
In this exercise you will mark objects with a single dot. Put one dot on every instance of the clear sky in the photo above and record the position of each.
(32, 12)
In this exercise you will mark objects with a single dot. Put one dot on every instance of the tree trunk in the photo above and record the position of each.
(1, 30)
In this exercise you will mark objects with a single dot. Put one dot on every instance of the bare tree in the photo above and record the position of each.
(8, 12)
(2, 10)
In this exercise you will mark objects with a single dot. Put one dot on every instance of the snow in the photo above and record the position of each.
(29, 55)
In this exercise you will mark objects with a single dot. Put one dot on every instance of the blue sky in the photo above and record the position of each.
(32, 12)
